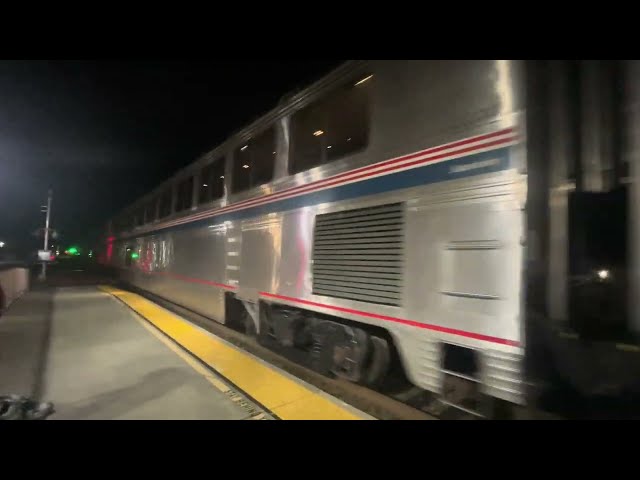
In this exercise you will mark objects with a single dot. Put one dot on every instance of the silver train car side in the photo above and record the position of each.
(417, 229)
(381, 211)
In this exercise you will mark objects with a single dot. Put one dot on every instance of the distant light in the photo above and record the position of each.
(273, 153)
(317, 133)
(328, 146)
(349, 139)
(603, 274)
(245, 166)
(1, 244)
(221, 176)
(363, 80)
(244, 148)
(205, 185)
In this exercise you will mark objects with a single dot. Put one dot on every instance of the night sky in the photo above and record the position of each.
(103, 133)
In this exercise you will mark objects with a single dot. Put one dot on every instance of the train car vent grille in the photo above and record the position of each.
(359, 254)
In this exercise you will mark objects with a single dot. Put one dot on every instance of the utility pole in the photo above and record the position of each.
(46, 234)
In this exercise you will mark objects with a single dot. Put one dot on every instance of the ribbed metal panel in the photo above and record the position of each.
(358, 254)
(429, 357)
(504, 376)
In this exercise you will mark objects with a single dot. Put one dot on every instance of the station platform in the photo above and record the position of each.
(98, 352)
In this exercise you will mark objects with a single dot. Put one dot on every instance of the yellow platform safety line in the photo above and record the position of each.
(286, 398)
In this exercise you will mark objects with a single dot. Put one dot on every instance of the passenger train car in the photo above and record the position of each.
(384, 211)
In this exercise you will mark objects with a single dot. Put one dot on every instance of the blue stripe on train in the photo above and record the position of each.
(476, 164)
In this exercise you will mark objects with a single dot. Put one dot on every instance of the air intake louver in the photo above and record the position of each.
(358, 254)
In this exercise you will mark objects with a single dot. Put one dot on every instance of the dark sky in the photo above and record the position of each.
(102, 133)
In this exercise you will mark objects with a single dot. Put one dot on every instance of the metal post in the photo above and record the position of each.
(46, 234)
(561, 151)
(632, 154)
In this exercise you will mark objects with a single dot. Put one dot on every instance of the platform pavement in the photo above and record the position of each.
(88, 354)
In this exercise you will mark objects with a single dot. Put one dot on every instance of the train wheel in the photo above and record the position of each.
(339, 351)
(380, 362)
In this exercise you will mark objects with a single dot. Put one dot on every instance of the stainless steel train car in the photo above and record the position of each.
(385, 211)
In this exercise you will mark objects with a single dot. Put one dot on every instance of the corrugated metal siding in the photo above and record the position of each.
(359, 254)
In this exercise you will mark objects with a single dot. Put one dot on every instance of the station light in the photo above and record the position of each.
(1, 244)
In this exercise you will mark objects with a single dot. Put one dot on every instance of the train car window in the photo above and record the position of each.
(165, 204)
(125, 223)
(150, 212)
(117, 224)
(212, 181)
(254, 161)
(185, 195)
(139, 217)
(331, 128)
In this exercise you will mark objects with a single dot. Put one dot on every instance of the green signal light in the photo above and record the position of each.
(73, 251)
(134, 255)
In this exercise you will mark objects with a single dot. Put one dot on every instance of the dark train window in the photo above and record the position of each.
(184, 195)
(139, 217)
(119, 224)
(165, 204)
(128, 222)
(150, 212)
(212, 181)
(253, 161)
(331, 128)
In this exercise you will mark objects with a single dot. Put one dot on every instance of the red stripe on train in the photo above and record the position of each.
(320, 184)
(330, 181)
(413, 323)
